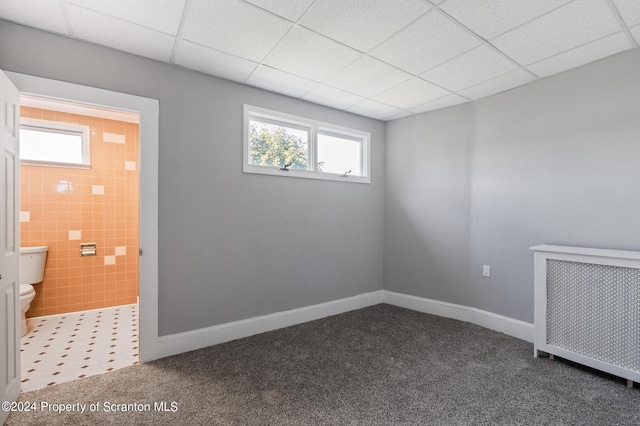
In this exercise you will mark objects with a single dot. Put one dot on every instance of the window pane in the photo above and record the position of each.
(339, 155)
(50, 146)
(277, 145)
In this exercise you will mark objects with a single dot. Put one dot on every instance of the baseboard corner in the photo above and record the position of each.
(509, 326)
(196, 339)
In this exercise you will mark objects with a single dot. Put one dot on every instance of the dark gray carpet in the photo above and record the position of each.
(379, 365)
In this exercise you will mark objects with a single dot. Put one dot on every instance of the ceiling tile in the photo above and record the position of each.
(582, 55)
(161, 15)
(43, 14)
(411, 93)
(335, 98)
(629, 10)
(280, 81)
(289, 9)
(234, 27)
(373, 109)
(569, 26)
(310, 55)
(361, 24)
(367, 77)
(471, 68)
(214, 62)
(102, 29)
(636, 33)
(490, 18)
(401, 114)
(429, 41)
(444, 102)
(499, 84)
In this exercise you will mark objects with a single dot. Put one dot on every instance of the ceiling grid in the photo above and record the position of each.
(377, 58)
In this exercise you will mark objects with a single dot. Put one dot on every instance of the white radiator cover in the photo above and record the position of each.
(587, 307)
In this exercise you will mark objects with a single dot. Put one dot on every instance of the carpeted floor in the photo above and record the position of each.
(379, 365)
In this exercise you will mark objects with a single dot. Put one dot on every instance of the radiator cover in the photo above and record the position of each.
(587, 307)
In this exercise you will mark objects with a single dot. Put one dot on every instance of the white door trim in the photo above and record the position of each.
(148, 167)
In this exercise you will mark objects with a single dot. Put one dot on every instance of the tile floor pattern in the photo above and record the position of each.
(67, 347)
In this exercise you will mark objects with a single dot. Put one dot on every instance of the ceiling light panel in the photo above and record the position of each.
(567, 27)
(361, 24)
(430, 41)
(160, 15)
(499, 84)
(310, 55)
(112, 32)
(490, 18)
(582, 55)
(213, 62)
(288, 9)
(478, 65)
(43, 14)
(233, 26)
(629, 10)
(411, 93)
(332, 97)
(280, 81)
(367, 77)
(373, 109)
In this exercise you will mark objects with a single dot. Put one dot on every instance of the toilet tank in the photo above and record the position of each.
(32, 261)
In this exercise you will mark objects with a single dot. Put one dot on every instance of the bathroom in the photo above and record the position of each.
(80, 201)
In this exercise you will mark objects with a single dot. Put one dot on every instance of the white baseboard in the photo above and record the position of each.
(196, 339)
(512, 327)
(191, 340)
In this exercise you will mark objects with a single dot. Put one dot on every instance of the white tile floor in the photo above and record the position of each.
(67, 347)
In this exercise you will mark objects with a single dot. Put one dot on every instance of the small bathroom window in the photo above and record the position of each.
(52, 143)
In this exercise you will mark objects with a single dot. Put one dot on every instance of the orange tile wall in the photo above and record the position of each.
(56, 200)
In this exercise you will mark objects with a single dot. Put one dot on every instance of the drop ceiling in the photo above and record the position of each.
(384, 59)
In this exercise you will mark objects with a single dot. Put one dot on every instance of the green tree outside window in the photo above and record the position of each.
(276, 146)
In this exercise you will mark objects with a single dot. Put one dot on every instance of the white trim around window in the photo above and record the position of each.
(343, 146)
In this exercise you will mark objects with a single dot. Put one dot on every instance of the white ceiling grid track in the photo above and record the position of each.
(378, 58)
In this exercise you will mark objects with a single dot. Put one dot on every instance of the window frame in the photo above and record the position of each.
(279, 118)
(62, 128)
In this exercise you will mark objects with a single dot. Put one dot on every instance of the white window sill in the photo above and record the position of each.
(305, 174)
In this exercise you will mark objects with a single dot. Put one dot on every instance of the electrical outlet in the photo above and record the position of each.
(486, 271)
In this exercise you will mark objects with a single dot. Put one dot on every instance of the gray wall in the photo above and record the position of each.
(427, 204)
(231, 245)
(554, 162)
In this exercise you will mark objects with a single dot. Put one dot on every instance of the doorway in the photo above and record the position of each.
(79, 198)
(150, 346)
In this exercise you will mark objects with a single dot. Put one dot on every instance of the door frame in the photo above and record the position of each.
(148, 109)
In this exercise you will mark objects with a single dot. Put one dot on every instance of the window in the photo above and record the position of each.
(53, 143)
(282, 144)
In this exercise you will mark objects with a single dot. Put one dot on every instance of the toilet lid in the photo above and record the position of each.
(25, 289)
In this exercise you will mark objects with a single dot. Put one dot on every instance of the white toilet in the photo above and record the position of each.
(32, 261)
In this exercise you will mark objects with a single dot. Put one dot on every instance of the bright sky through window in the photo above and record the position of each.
(50, 146)
(54, 143)
(339, 155)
